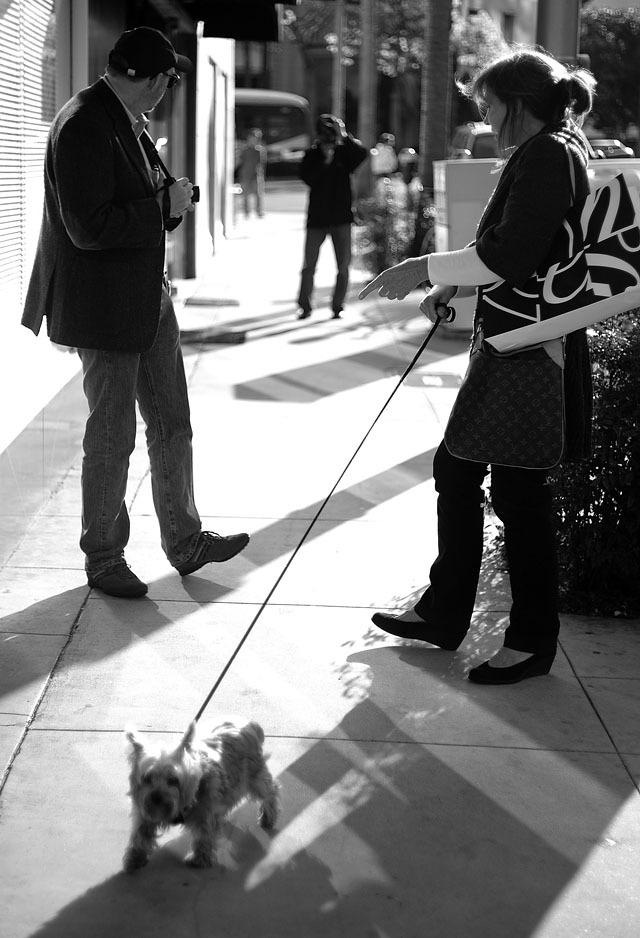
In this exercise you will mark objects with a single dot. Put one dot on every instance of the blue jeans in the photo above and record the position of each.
(341, 237)
(522, 499)
(113, 381)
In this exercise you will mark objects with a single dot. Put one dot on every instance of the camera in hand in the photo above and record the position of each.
(195, 195)
(326, 129)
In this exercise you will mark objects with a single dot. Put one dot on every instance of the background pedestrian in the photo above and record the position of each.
(251, 172)
(326, 168)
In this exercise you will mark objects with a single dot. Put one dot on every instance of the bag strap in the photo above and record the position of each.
(154, 157)
(572, 174)
(155, 160)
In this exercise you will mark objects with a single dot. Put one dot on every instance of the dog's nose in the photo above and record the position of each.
(158, 807)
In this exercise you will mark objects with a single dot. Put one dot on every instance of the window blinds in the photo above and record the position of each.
(27, 106)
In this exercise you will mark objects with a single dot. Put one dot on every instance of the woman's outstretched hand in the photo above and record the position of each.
(397, 282)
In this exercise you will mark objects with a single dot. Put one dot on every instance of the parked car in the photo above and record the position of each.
(474, 141)
(610, 149)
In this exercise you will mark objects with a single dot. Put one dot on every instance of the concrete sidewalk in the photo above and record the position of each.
(415, 803)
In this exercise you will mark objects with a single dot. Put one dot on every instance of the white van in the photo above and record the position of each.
(285, 122)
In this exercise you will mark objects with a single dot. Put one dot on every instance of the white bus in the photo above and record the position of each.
(285, 122)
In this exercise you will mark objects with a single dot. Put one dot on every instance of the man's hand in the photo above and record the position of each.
(180, 193)
(396, 282)
(340, 129)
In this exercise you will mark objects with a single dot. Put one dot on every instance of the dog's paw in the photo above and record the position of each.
(134, 859)
(198, 860)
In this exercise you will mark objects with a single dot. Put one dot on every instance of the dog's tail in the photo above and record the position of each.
(251, 729)
(255, 730)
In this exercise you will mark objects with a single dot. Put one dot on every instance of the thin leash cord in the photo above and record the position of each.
(450, 316)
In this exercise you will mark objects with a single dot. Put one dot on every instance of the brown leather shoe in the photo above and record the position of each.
(213, 548)
(119, 580)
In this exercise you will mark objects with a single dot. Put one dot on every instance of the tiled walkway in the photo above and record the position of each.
(416, 805)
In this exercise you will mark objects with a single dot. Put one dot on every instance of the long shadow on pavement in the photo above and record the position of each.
(381, 835)
(269, 543)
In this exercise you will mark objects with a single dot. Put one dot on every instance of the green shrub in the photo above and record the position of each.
(394, 223)
(598, 499)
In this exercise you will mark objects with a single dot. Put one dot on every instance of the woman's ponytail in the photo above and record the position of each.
(582, 86)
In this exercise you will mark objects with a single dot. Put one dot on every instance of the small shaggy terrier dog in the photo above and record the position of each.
(197, 785)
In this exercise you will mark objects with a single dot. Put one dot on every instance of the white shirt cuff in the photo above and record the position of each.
(460, 268)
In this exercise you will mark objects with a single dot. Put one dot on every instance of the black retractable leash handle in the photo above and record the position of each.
(449, 315)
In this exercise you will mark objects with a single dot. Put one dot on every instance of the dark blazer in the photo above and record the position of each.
(97, 275)
(530, 202)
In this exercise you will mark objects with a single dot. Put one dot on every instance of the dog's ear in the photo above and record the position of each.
(189, 735)
(136, 744)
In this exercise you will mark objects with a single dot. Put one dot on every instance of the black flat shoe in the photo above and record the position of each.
(534, 666)
(418, 631)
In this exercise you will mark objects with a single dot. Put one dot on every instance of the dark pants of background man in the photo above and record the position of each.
(341, 237)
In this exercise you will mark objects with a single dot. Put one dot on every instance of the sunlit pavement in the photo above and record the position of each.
(415, 803)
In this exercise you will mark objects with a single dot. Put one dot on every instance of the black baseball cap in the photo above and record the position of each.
(143, 52)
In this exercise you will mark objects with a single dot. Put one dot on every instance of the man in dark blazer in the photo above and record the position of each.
(98, 279)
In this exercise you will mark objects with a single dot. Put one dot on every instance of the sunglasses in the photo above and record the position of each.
(173, 79)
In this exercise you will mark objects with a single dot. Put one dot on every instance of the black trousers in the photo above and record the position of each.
(341, 238)
(522, 499)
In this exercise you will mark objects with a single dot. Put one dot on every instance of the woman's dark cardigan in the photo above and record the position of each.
(515, 234)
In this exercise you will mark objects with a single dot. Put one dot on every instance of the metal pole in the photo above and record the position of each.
(558, 28)
(368, 76)
(337, 89)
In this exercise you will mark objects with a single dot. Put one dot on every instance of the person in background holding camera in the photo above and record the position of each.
(326, 168)
(98, 279)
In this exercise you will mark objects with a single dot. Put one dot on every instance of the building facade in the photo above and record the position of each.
(516, 18)
(309, 71)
